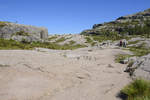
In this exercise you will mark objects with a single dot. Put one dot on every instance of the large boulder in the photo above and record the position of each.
(141, 68)
(22, 32)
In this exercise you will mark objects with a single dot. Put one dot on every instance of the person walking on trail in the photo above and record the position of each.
(120, 44)
(124, 43)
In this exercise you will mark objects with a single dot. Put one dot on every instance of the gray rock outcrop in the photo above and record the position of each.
(22, 32)
(141, 68)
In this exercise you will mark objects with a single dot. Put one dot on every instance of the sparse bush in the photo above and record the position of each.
(140, 50)
(130, 64)
(62, 39)
(137, 90)
(2, 24)
(72, 42)
(88, 39)
(52, 38)
(112, 36)
(133, 42)
(121, 57)
(22, 33)
(11, 44)
(93, 43)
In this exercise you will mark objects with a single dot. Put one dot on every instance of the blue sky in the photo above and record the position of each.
(67, 16)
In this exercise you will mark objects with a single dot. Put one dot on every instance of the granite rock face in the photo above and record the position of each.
(22, 32)
(141, 68)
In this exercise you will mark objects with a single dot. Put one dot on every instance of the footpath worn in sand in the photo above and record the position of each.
(83, 74)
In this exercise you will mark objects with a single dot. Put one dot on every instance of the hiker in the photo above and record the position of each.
(124, 43)
(120, 43)
(108, 42)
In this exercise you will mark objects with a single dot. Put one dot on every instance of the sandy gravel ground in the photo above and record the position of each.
(83, 74)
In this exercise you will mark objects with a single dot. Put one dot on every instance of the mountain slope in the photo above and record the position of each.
(135, 24)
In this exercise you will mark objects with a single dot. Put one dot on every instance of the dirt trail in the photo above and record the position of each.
(83, 74)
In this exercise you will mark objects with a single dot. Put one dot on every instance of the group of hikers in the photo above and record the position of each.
(123, 43)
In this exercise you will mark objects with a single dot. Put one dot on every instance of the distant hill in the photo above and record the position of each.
(136, 24)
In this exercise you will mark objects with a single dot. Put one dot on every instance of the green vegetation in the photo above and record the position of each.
(22, 33)
(122, 24)
(72, 42)
(130, 64)
(133, 42)
(90, 41)
(62, 39)
(100, 38)
(109, 36)
(137, 29)
(71, 47)
(11, 44)
(140, 50)
(137, 51)
(4, 65)
(137, 90)
(2, 24)
(52, 38)
(115, 30)
(119, 58)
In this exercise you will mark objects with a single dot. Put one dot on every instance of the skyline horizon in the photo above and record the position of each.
(71, 33)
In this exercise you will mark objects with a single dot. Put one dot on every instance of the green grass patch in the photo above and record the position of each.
(2, 24)
(71, 47)
(62, 39)
(90, 41)
(130, 64)
(140, 50)
(11, 44)
(52, 38)
(137, 90)
(119, 58)
(133, 42)
(72, 42)
(101, 38)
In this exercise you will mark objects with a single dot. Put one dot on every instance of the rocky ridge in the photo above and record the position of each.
(22, 32)
(122, 25)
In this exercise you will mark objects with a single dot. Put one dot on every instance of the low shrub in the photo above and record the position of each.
(72, 42)
(140, 50)
(22, 33)
(133, 42)
(130, 64)
(52, 38)
(2, 24)
(62, 39)
(121, 57)
(88, 39)
(139, 89)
